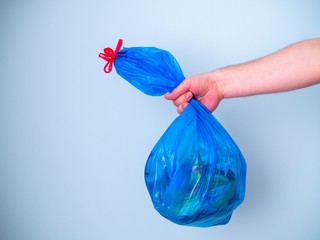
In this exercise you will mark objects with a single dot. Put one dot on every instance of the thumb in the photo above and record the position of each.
(178, 91)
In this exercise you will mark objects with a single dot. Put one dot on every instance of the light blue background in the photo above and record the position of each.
(74, 141)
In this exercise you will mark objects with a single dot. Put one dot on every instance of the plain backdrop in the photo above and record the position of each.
(74, 140)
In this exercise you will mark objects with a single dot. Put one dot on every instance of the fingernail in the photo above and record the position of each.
(189, 95)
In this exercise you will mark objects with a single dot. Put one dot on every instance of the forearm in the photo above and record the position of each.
(293, 67)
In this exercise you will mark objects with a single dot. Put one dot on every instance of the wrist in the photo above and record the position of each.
(231, 80)
(219, 84)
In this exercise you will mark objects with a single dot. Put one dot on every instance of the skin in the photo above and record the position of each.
(293, 67)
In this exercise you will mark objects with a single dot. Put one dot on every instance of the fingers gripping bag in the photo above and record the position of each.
(195, 174)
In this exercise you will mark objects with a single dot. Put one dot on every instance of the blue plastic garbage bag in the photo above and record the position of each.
(195, 174)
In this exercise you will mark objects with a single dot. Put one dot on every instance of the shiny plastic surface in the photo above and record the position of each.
(195, 174)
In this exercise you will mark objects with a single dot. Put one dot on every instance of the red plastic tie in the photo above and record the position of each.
(110, 56)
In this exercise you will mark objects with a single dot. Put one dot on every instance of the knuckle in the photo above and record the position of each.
(189, 95)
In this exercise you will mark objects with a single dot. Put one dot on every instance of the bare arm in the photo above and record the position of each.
(296, 66)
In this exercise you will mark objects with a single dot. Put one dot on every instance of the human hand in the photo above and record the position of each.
(294, 67)
(202, 87)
